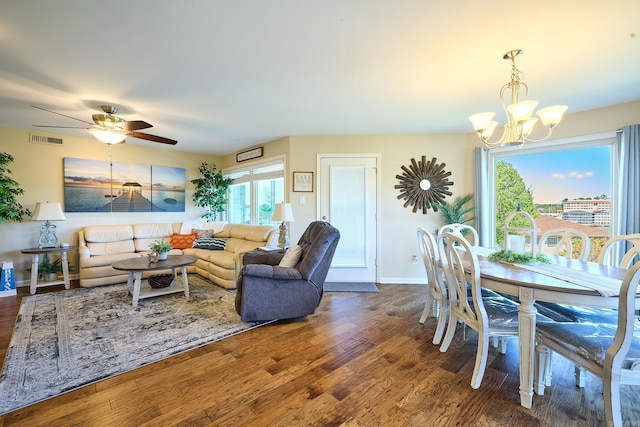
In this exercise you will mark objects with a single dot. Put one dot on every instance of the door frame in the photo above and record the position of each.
(378, 195)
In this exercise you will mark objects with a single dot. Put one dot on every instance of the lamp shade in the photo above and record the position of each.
(48, 211)
(282, 212)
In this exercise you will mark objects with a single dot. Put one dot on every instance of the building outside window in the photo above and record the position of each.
(256, 188)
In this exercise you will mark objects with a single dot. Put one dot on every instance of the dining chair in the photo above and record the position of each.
(610, 352)
(490, 317)
(564, 312)
(437, 299)
(628, 246)
(564, 238)
(462, 230)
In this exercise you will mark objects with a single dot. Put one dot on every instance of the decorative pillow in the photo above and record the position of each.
(203, 233)
(211, 243)
(291, 257)
(183, 241)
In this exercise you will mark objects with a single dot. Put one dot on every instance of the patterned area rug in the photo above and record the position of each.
(350, 287)
(68, 339)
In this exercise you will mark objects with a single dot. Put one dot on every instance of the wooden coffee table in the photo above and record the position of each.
(136, 266)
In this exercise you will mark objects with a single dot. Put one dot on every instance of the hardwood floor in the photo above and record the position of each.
(362, 360)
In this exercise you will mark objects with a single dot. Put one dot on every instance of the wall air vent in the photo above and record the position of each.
(45, 139)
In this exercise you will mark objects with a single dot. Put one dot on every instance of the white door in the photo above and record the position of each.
(348, 200)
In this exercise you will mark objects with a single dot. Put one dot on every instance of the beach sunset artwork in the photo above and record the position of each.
(99, 186)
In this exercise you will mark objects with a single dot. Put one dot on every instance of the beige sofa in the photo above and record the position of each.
(102, 245)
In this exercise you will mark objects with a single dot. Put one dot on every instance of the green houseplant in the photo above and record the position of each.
(161, 247)
(10, 209)
(49, 269)
(456, 212)
(211, 191)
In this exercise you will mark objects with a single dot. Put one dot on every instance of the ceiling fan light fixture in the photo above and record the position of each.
(107, 136)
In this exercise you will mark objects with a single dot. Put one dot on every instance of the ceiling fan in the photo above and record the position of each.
(112, 129)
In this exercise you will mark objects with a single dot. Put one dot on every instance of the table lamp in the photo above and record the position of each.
(282, 212)
(48, 212)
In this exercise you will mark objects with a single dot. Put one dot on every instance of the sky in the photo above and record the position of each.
(554, 176)
(96, 173)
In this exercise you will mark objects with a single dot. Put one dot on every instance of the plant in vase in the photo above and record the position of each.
(161, 247)
(456, 211)
(49, 269)
(211, 191)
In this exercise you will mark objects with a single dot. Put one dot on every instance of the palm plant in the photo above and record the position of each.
(455, 212)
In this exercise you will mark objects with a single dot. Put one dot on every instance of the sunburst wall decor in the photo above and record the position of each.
(424, 184)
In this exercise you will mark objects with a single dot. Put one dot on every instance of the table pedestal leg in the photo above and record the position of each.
(35, 262)
(65, 270)
(136, 286)
(526, 337)
(185, 282)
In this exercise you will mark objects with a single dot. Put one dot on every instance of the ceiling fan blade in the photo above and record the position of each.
(63, 115)
(153, 138)
(135, 125)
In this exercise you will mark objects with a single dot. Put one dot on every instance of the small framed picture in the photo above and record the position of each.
(303, 181)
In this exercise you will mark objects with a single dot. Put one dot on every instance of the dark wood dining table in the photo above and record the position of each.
(531, 286)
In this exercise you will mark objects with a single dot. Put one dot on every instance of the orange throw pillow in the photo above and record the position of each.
(183, 241)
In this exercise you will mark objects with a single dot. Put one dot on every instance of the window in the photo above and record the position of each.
(566, 180)
(256, 188)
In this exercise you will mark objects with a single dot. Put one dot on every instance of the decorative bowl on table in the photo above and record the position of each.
(160, 280)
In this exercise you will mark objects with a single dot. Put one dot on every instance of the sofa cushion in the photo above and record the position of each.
(108, 233)
(182, 241)
(152, 231)
(210, 243)
(188, 226)
(110, 248)
(240, 246)
(256, 233)
(98, 261)
(142, 245)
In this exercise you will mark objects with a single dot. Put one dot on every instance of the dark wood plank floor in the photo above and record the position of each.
(362, 360)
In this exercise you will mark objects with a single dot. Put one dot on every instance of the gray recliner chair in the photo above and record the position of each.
(267, 291)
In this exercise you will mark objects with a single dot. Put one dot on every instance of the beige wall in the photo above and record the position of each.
(398, 224)
(38, 168)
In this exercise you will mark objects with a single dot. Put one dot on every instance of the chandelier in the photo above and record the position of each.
(520, 124)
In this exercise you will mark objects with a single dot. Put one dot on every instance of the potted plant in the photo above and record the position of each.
(49, 269)
(211, 191)
(10, 209)
(161, 247)
(455, 212)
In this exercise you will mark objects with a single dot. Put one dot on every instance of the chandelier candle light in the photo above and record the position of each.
(48, 212)
(282, 212)
(520, 124)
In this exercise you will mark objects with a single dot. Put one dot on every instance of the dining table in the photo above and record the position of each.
(563, 280)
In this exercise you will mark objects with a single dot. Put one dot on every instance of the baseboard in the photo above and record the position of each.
(403, 281)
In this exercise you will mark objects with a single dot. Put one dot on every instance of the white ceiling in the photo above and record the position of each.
(220, 76)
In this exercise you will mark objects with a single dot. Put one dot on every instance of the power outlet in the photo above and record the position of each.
(415, 259)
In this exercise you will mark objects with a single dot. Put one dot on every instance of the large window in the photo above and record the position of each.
(566, 183)
(255, 190)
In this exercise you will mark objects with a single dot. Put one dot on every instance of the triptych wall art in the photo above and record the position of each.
(103, 186)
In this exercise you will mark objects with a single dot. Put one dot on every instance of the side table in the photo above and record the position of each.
(35, 262)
